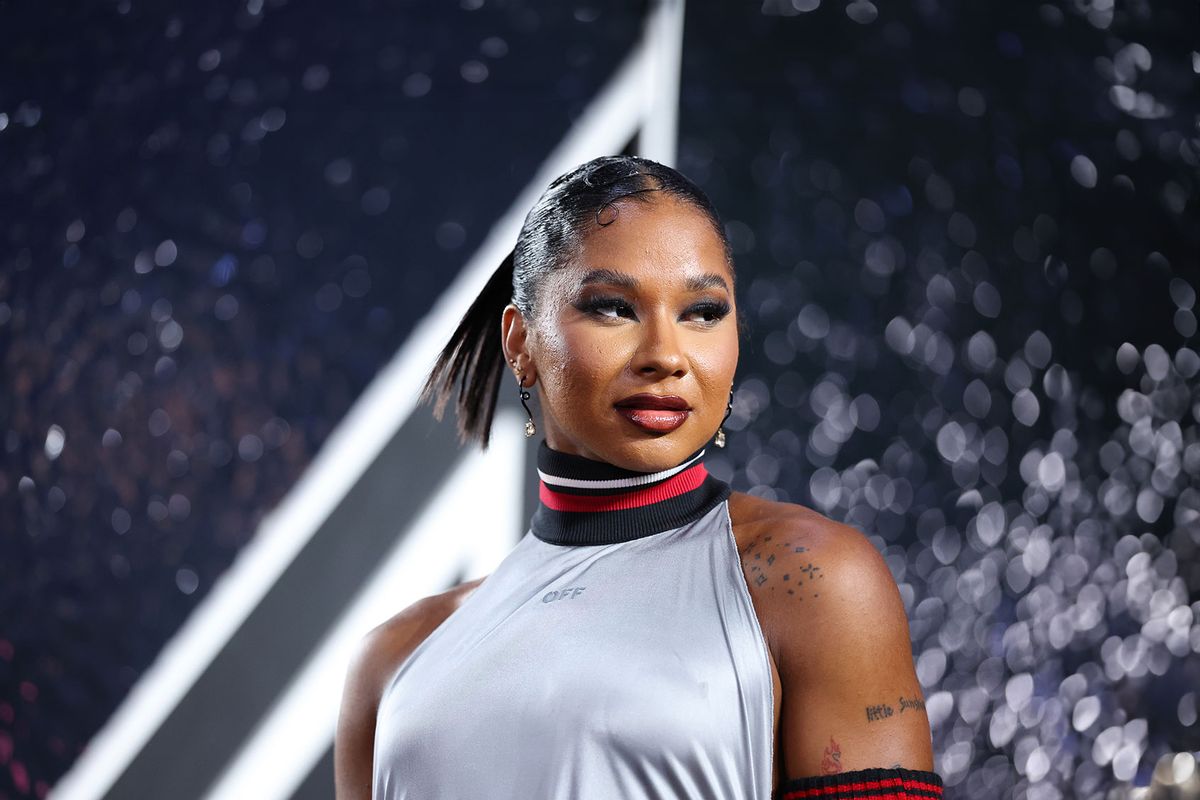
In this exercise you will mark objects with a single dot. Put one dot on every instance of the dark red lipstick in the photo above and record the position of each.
(653, 412)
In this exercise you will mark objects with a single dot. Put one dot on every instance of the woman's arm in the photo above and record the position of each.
(851, 700)
(380, 654)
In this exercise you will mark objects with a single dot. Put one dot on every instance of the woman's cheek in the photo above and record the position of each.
(715, 364)
(594, 358)
(564, 370)
(581, 382)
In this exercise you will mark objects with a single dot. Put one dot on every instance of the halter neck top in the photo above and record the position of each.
(613, 653)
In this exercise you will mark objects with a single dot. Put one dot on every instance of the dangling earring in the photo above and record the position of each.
(530, 428)
(719, 441)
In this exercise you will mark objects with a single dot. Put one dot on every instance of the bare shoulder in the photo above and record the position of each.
(836, 626)
(792, 535)
(380, 653)
(385, 646)
(811, 575)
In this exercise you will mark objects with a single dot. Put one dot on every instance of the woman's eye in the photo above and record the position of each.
(610, 307)
(709, 312)
(615, 308)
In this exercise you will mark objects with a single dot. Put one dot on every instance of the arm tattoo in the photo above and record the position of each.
(884, 710)
(831, 761)
(878, 712)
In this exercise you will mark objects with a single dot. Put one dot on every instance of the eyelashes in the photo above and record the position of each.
(597, 304)
(714, 310)
(717, 310)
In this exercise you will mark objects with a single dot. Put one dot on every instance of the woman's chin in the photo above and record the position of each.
(651, 452)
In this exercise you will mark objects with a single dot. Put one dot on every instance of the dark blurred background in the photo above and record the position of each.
(967, 241)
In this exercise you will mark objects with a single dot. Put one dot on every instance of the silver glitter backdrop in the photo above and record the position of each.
(967, 242)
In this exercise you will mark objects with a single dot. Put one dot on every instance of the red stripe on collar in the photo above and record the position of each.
(685, 481)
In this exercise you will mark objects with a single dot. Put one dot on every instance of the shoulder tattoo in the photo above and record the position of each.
(776, 563)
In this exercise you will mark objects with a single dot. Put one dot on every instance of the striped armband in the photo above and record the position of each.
(875, 784)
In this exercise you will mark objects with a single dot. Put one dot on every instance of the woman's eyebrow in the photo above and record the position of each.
(693, 283)
(610, 276)
(709, 280)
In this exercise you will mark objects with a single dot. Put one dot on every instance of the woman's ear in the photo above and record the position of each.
(515, 340)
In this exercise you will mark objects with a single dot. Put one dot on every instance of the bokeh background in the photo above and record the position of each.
(967, 241)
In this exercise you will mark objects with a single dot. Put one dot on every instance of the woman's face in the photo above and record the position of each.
(646, 306)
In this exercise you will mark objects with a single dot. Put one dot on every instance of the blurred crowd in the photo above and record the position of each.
(967, 248)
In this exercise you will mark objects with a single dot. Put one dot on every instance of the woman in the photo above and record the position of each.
(654, 634)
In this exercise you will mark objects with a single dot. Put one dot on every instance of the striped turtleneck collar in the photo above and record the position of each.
(582, 501)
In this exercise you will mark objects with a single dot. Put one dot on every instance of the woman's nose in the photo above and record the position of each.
(660, 348)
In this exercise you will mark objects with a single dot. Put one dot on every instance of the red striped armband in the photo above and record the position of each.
(875, 784)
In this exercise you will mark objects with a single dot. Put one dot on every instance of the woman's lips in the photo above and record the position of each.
(658, 420)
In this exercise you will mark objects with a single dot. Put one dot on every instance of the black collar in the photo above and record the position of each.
(582, 501)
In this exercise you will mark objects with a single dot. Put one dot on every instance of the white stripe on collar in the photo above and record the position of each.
(618, 483)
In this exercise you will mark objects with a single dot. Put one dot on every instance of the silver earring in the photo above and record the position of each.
(530, 428)
(719, 441)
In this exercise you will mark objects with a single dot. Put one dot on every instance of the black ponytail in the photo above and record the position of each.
(473, 359)
(570, 208)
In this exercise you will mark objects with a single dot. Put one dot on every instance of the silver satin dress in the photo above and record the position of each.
(634, 671)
